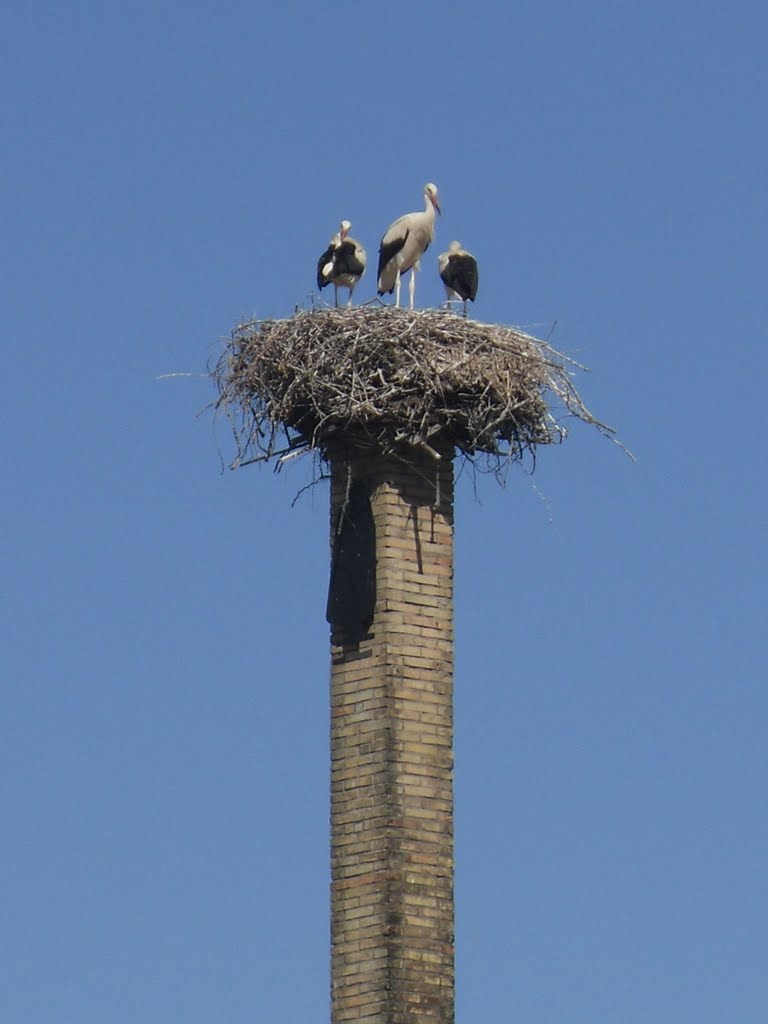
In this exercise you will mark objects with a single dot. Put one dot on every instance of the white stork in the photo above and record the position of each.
(404, 243)
(342, 264)
(458, 269)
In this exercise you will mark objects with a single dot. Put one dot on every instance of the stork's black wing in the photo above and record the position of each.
(389, 249)
(460, 273)
(346, 261)
(325, 258)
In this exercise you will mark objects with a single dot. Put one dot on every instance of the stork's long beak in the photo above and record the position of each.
(436, 204)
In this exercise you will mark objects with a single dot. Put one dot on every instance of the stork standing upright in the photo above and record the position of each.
(404, 243)
(458, 269)
(342, 264)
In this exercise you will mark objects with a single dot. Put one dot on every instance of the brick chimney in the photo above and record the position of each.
(391, 612)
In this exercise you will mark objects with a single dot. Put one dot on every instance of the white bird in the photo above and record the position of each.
(342, 264)
(404, 243)
(458, 269)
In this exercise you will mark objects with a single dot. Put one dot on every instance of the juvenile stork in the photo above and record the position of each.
(342, 264)
(458, 269)
(404, 243)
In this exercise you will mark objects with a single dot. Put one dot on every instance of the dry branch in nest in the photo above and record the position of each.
(388, 378)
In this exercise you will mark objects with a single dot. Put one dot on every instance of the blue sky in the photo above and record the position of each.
(169, 169)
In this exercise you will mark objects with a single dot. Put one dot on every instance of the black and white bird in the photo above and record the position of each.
(404, 243)
(342, 264)
(458, 269)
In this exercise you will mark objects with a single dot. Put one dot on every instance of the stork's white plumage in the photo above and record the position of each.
(342, 264)
(404, 243)
(458, 269)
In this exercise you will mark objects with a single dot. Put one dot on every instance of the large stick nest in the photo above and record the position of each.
(390, 378)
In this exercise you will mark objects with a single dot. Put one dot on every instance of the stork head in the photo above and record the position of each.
(345, 226)
(454, 247)
(430, 191)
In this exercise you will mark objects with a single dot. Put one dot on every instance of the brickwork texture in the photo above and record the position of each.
(392, 917)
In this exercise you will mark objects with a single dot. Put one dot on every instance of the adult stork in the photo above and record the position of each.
(342, 264)
(404, 243)
(458, 269)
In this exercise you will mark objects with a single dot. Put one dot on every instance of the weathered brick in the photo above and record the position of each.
(392, 760)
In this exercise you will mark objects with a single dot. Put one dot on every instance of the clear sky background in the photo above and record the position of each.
(169, 169)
